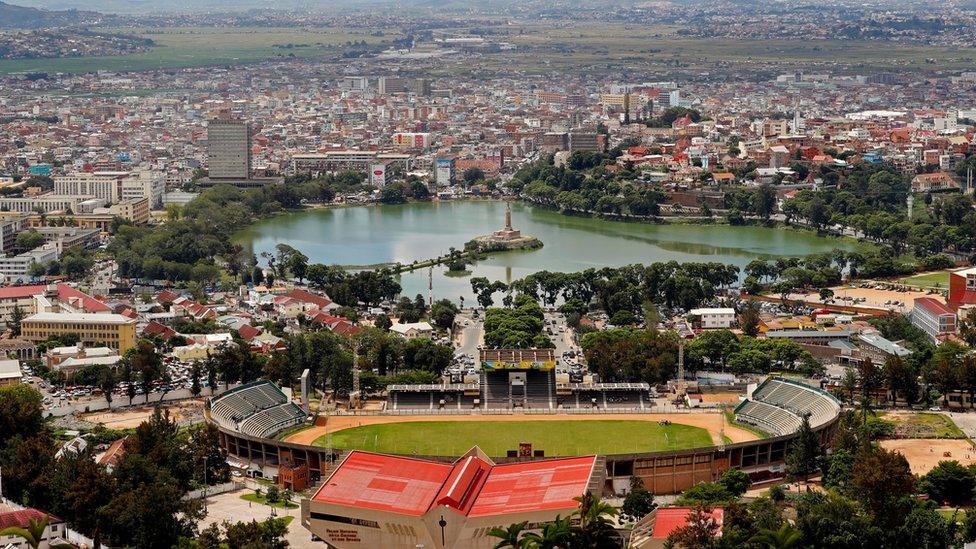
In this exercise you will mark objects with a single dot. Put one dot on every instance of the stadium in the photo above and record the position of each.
(364, 466)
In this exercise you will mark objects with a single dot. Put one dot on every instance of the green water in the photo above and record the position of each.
(367, 235)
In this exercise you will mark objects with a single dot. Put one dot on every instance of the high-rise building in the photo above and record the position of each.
(229, 147)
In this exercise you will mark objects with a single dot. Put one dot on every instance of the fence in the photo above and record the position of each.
(214, 490)
(649, 409)
(120, 402)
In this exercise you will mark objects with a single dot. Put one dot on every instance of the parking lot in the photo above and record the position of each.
(470, 339)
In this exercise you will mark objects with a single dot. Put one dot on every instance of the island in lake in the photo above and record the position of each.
(507, 238)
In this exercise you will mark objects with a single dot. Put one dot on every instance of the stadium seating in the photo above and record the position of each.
(258, 409)
(778, 406)
(540, 388)
(496, 389)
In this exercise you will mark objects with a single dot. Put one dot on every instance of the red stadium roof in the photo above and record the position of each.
(533, 486)
(472, 486)
(386, 483)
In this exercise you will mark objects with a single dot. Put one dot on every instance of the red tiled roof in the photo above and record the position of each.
(933, 306)
(247, 332)
(21, 518)
(66, 293)
(472, 486)
(114, 453)
(87, 302)
(155, 328)
(13, 292)
(669, 519)
(309, 297)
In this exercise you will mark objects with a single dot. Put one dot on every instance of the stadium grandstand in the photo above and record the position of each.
(519, 378)
(778, 405)
(259, 409)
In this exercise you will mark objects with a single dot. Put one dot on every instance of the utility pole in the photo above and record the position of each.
(430, 286)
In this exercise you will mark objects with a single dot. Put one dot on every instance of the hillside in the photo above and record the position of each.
(23, 17)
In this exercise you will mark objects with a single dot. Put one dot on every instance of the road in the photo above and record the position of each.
(470, 336)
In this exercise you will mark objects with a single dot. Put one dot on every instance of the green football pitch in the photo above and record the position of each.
(556, 438)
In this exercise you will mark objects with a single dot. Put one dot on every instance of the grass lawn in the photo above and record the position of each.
(556, 438)
(923, 425)
(949, 513)
(938, 279)
(254, 498)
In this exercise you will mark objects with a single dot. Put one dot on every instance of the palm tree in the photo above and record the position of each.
(554, 535)
(787, 537)
(34, 533)
(510, 537)
(595, 529)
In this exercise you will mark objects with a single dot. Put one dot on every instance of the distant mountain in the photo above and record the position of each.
(25, 17)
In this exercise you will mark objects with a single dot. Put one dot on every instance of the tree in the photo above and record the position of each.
(443, 312)
(107, 381)
(509, 537)
(711, 493)
(383, 322)
(949, 482)
(735, 481)
(273, 494)
(555, 535)
(21, 413)
(639, 501)
(393, 194)
(700, 531)
(787, 537)
(472, 176)
(882, 481)
(16, 317)
(34, 533)
(29, 239)
(804, 452)
(595, 529)
(750, 320)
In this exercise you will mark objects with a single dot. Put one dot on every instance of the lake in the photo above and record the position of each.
(368, 235)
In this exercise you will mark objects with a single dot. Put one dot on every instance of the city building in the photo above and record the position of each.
(55, 534)
(10, 373)
(934, 318)
(652, 531)
(94, 330)
(413, 330)
(376, 500)
(962, 288)
(712, 318)
(585, 141)
(346, 160)
(444, 172)
(114, 187)
(228, 147)
(17, 267)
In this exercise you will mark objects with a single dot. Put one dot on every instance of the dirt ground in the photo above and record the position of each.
(872, 298)
(713, 423)
(924, 454)
(731, 398)
(132, 417)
